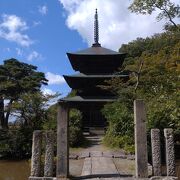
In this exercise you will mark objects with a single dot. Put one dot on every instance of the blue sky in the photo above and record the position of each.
(48, 37)
(40, 32)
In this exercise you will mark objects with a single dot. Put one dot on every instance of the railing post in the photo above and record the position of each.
(36, 154)
(170, 157)
(62, 141)
(141, 160)
(49, 154)
(156, 151)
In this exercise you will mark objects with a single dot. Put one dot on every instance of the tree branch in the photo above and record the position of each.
(8, 111)
(167, 13)
(137, 75)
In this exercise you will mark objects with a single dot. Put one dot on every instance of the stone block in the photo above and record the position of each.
(170, 155)
(141, 159)
(156, 151)
(84, 154)
(36, 154)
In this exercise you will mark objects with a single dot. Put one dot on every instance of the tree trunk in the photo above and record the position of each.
(8, 112)
(2, 119)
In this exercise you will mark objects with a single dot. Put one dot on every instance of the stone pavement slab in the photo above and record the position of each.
(87, 169)
(96, 154)
(108, 154)
(100, 166)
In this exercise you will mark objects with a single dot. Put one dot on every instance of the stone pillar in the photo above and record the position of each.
(156, 151)
(170, 157)
(141, 158)
(36, 154)
(62, 141)
(49, 154)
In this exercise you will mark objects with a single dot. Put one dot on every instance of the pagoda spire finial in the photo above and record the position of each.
(96, 30)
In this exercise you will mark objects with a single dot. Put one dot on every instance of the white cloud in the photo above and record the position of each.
(54, 78)
(47, 91)
(36, 23)
(11, 29)
(117, 24)
(43, 9)
(7, 49)
(34, 55)
(19, 51)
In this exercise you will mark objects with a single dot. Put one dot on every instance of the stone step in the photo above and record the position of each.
(96, 130)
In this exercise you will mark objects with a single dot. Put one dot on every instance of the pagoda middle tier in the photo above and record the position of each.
(91, 85)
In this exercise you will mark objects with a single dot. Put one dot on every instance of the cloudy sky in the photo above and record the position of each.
(40, 32)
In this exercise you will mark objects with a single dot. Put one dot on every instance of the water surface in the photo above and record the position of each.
(14, 170)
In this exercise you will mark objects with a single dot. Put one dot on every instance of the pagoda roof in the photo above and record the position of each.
(96, 50)
(86, 102)
(82, 75)
(81, 81)
(96, 63)
(88, 99)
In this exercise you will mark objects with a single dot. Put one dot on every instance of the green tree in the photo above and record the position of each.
(31, 112)
(168, 9)
(31, 109)
(17, 78)
(155, 66)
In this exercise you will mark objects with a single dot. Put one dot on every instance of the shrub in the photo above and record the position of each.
(119, 133)
(75, 127)
(16, 143)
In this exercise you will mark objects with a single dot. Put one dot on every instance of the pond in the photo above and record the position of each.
(14, 170)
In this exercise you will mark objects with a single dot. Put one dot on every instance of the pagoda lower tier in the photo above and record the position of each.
(90, 107)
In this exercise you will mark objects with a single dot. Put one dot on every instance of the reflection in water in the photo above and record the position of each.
(14, 170)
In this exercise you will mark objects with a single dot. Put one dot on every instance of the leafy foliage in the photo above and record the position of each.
(17, 78)
(16, 144)
(168, 10)
(75, 125)
(158, 83)
(31, 113)
(120, 130)
(75, 128)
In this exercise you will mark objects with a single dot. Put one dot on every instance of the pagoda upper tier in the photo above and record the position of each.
(96, 60)
(96, 65)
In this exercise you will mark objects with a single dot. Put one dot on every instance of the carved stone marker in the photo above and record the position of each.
(141, 160)
(49, 154)
(170, 158)
(36, 154)
(156, 151)
(62, 170)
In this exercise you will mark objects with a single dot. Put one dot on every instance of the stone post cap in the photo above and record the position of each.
(37, 131)
(168, 132)
(155, 129)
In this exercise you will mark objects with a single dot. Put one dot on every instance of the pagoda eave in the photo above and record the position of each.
(83, 81)
(97, 50)
(80, 101)
(101, 63)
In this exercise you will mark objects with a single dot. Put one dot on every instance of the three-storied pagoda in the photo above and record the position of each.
(95, 65)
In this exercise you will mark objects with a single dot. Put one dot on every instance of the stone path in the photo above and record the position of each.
(97, 150)
(101, 168)
(101, 163)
